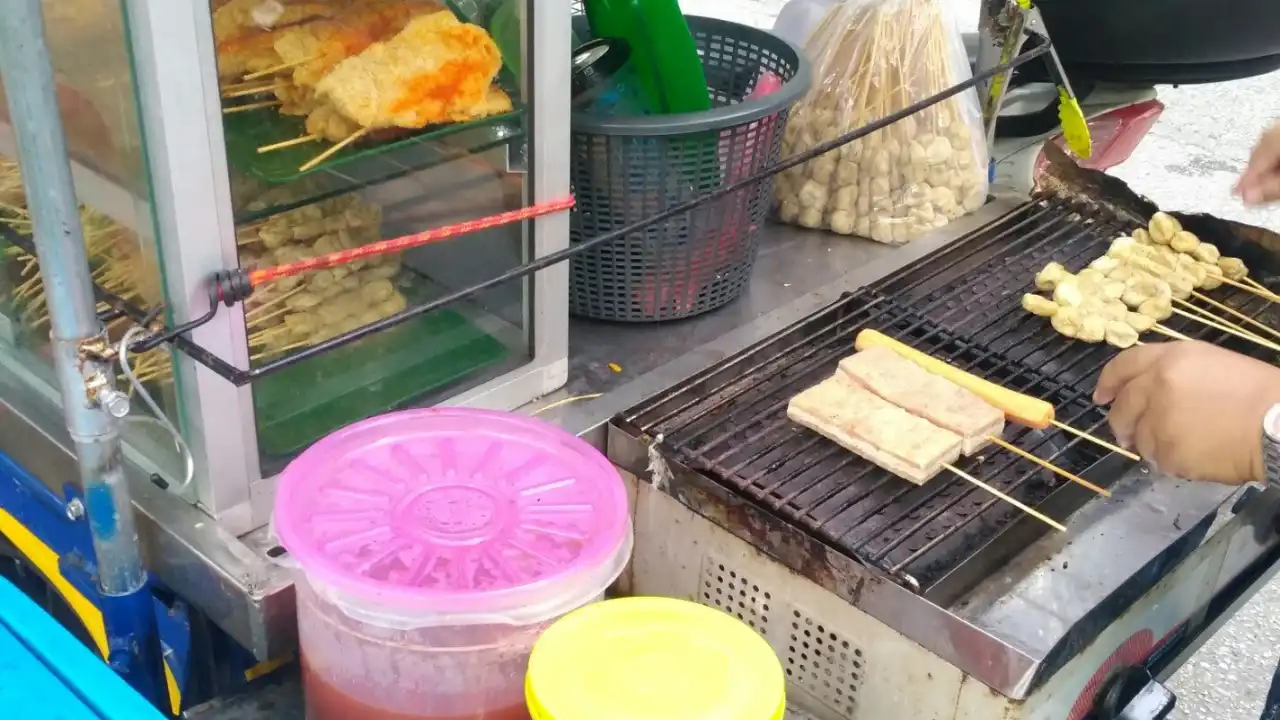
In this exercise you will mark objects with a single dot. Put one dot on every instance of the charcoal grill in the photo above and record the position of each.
(946, 565)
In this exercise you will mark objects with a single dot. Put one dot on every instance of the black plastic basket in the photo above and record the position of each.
(627, 169)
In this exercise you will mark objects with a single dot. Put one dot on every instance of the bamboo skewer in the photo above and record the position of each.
(279, 350)
(272, 302)
(229, 87)
(1228, 309)
(288, 143)
(277, 68)
(251, 106)
(1169, 333)
(1262, 293)
(1250, 281)
(254, 91)
(1226, 328)
(269, 316)
(1095, 440)
(1202, 314)
(1021, 506)
(1048, 466)
(336, 147)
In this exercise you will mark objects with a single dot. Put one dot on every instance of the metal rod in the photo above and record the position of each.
(64, 268)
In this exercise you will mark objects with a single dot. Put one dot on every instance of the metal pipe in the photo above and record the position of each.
(85, 377)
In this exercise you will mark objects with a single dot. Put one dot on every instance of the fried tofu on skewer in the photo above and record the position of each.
(435, 70)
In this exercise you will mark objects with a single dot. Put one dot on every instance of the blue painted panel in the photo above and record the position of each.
(29, 689)
(52, 651)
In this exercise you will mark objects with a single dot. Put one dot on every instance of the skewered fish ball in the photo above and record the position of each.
(304, 300)
(1105, 264)
(1050, 276)
(1163, 227)
(1113, 310)
(300, 324)
(377, 291)
(1157, 308)
(1121, 335)
(1122, 273)
(1067, 321)
(1166, 256)
(392, 305)
(331, 313)
(1139, 322)
(1091, 278)
(1141, 236)
(1212, 277)
(1207, 253)
(1038, 305)
(1141, 287)
(1196, 272)
(1181, 283)
(1184, 242)
(1233, 268)
(1113, 289)
(1093, 329)
(1068, 292)
(1121, 248)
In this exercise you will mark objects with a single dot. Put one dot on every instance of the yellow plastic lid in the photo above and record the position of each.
(653, 659)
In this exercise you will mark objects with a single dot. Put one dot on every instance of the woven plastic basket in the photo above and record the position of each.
(627, 169)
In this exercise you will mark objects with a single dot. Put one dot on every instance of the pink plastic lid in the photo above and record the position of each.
(476, 515)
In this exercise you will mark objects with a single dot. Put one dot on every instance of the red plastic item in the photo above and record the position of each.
(658, 293)
(1115, 136)
(324, 702)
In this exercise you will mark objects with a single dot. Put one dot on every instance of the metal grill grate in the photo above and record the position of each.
(963, 306)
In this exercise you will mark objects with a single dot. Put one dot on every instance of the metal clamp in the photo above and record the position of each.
(102, 393)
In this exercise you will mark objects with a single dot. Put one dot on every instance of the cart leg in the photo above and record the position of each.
(85, 377)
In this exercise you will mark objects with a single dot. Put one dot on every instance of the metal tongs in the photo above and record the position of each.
(1004, 28)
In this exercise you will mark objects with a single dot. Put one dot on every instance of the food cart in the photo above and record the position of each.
(929, 602)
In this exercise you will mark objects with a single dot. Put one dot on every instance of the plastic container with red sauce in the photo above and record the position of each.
(432, 549)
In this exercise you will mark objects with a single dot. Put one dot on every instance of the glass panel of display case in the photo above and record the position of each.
(96, 94)
(350, 123)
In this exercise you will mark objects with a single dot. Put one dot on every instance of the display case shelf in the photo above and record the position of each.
(283, 188)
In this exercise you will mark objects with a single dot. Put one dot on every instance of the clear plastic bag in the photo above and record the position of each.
(798, 18)
(872, 58)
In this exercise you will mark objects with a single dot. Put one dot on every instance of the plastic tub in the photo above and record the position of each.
(654, 659)
(433, 547)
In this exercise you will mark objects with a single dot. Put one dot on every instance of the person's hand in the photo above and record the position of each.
(1260, 182)
(1191, 409)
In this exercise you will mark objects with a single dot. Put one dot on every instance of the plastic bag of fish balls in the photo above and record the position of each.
(873, 58)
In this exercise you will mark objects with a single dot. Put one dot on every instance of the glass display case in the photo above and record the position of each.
(250, 133)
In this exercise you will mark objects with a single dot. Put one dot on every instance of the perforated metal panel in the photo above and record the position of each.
(726, 589)
(823, 663)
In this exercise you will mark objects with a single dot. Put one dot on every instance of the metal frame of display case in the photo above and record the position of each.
(182, 118)
(215, 555)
